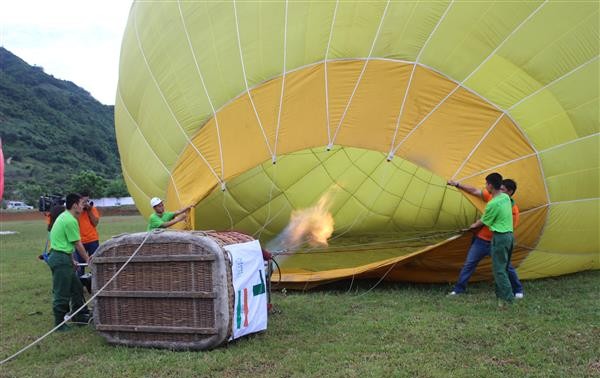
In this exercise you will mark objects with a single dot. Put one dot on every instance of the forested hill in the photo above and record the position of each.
(51, 129)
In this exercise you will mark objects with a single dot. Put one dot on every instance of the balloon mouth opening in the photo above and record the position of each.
(311, 226)
(316, 218)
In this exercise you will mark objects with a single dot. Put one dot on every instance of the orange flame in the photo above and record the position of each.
(313, 225)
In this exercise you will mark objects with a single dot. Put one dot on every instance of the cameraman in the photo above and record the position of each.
(57, 207)
(88, 220)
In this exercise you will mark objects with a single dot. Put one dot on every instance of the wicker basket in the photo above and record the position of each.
(175, 293)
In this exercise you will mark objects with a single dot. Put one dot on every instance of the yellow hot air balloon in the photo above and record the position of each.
(250, 110)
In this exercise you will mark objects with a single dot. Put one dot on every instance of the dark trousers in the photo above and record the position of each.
(66, 287)
(501, 251)
(479, 249)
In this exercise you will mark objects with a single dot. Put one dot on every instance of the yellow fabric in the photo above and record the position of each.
(498, 86)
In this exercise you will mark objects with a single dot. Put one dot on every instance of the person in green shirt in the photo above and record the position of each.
(162, 218)
(498, 217)
(66, 287)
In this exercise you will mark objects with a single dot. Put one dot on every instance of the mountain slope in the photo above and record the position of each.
(51, 128)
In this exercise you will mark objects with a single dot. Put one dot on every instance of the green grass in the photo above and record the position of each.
(394, 330)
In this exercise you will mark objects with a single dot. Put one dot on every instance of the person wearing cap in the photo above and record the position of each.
(162, 218)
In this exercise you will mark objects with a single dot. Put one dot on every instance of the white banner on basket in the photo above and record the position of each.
(250, 286)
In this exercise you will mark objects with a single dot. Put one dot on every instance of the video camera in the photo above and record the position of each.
(47, 202)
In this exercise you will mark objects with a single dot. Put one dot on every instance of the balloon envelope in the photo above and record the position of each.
(250, 110)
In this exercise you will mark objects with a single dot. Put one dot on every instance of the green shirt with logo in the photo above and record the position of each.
(64, 233)
(498, 214)
(155, 221)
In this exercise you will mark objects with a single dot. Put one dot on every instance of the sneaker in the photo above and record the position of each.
(63, 328)
(519, 295)
(81, 319)
(452, 293)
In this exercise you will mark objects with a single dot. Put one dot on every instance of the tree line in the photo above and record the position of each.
(84, 181)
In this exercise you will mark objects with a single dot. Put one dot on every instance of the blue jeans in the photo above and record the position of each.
(90, 248)
(479, 249)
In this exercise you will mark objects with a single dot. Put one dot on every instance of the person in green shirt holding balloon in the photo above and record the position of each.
(162, 218)
(498, 217)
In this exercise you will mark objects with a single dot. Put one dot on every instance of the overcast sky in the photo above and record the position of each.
(79, 41)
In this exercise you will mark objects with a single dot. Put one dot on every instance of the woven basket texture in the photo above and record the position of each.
(176, 293)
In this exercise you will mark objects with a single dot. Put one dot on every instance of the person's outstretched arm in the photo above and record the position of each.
(177, 219)
(181, 211)
(465, 188)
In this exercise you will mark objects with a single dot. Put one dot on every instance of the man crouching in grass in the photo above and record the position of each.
(66, 286)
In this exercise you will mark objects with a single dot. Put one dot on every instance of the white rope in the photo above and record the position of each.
(401, 113)
(360, 76)
(237, 30)
(536, 249)
(387, 171)
(530, 155)
(167, 103)
(425, 66)
(414, 129)
(559, 203)
(498, 166)
(343, 248)
(413, 69)
(270, 197)
(264, 227)
(505, 40)
(82, 307)
(554, 82)
(565, 110)
(224, 193)
(433, 31)
(477, 145)
(392, 267)
(281, 93)
(460, 84)
(556, 40)
(212, 107)
(282, 82)
(347, 59)
(326, 75)
(148, 144)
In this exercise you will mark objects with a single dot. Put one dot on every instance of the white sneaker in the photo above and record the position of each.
(452, 293)
(519, 295)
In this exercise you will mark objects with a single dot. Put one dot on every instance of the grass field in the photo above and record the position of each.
(394, 330)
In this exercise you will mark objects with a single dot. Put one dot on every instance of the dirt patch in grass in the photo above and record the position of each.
(12, 216)
(594, 367)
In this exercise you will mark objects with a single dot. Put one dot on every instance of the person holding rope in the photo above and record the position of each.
(481, 243)
(66, 287)
(162, 218)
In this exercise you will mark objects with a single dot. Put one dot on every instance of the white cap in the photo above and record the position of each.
(155, 201)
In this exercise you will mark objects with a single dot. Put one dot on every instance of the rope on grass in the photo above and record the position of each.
(292, 250)
(67, 318)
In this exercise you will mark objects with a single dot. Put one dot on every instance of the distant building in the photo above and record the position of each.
(112, 201)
